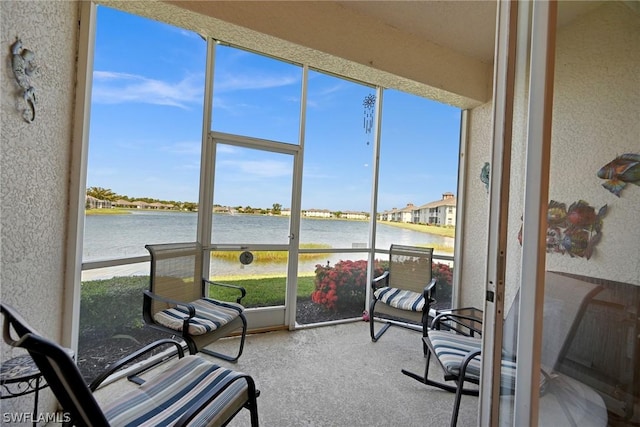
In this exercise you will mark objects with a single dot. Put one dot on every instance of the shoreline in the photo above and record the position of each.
(422, 228)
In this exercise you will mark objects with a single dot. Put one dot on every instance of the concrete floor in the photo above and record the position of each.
(335, 376)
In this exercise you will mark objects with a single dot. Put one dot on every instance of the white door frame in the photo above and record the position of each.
(267, 317)
(534, 23)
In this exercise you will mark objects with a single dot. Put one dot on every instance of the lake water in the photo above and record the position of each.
(122, 236)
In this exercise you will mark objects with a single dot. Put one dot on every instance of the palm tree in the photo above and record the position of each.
(101, 193)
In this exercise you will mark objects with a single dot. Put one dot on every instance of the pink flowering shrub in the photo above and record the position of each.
(444, 275)
(342, 285)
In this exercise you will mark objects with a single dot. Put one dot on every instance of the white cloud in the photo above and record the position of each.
(232, 82)
(195, 166)
(187, 147)
(117, 88)
(323, 96)
(259, 169)
(330, 90)
(225, 148)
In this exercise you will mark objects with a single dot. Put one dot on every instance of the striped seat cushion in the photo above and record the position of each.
(210, 315)
(163, 399)
(398, 298)
(451, 349)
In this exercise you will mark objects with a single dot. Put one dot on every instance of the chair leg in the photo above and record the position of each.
(253, 410)
(460, 389)
(375, 336)
(425, 331)
(252, 404)
(456, 405)
(371, 320)
(226, 357)
(417, 377)
(425, 379)
(193, 349)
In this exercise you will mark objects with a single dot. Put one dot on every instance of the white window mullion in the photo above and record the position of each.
(296, 207)
(207, 157)
(461, 202)
(78, 174)
(373, 217)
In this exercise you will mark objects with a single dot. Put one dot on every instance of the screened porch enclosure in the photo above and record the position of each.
(296, 142)
(292, 168)
(307, 241)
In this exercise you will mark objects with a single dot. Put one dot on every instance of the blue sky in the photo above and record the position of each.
(146, 125)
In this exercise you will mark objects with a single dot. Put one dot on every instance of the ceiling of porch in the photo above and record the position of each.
(442, 50)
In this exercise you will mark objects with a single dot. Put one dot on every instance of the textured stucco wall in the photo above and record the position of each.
(596, 117)
(474, 239)
(34, 170)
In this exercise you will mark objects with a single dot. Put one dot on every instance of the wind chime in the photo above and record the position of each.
(368, 103)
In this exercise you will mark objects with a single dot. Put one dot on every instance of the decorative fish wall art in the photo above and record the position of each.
(620, 171)
(574, 231)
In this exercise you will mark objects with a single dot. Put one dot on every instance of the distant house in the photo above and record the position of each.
(136, 204)
(406, 214)
(223, 209)
(139, 204)
(394, 215)
(318, 213)
(441, 212)
(124, 204)
(354, 215)
(94, 203)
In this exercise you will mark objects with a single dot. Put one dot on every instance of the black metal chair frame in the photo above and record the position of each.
(576, 293)
(194, 343)
(426, 286)
(462, 324)
(66, 381)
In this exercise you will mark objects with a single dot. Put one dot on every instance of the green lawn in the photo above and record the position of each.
(263, 291)
(111, 304)
(113, 211)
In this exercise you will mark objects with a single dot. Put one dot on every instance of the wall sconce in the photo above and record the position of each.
(23, 68)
